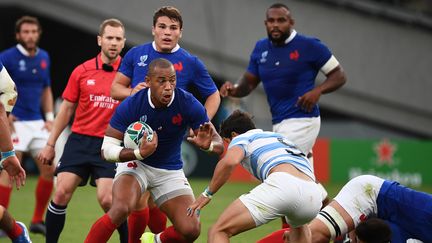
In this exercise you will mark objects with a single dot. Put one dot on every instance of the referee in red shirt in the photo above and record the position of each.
(87, 94)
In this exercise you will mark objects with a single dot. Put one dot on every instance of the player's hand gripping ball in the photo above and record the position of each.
(135, 132)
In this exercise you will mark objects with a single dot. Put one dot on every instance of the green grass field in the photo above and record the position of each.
(83, 210)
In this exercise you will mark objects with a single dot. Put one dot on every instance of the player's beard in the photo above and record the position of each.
(278, 40)
(29, 47)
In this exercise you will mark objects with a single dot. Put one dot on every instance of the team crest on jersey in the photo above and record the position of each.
(43, 64)
(178, 66)
(22, 65)
(177, 119)
(143, 59)
(264, 57)
(294, 55)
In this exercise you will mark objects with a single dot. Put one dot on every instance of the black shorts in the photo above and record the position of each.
(82, 156)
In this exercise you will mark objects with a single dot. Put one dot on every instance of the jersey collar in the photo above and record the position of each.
(291, 37)
(24, 51)
(176, 48)
(151, 103)
(115, 65)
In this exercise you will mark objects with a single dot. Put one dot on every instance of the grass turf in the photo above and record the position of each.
(84, 210)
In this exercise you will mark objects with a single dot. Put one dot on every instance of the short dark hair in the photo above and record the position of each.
(27, 20)
(278, 5)
(159, 62)
(110, 22)
(373, 230)
(239, 122)
(170, 12)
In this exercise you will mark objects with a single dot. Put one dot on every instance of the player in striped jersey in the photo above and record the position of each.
(288, 185)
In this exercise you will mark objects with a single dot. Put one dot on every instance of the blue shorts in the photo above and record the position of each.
(82, 156)
(408, 211)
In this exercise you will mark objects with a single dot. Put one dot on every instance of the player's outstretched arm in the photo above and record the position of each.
(207, 138)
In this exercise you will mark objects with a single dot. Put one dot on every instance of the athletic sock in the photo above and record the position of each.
(170, 235)
(157, 221)
(5, 192)
(123, 232)
(55, 220)
(43, 192)
(15, 232)
(275, 237)
(284, 223)
(101, 231)
(137, 222)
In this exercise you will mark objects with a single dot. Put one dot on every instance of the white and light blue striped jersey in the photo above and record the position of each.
(265, 150)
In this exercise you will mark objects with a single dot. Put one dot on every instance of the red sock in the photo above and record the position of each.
(285, 225)
(101, 231)
(43, 195)
(275, 237)
(5, 193)
(137, 222)
(170, 235)
(158, 220)
(15, 231)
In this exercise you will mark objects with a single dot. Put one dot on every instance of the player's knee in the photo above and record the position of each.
(62, 196)
(47, 172)
(105, 202)
(219, 229)
(120, 211)
(190, 232)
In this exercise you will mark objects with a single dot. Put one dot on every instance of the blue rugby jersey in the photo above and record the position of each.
(287, 72)
(31, 75)
(189, 69)
(169, 123)
(265, 150)
(408, 211)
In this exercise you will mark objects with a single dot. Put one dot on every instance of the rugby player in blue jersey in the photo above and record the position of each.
(287, 63)
(29, 66)
(406, 211)
(156, 165)
(288, 187)
(191, 72)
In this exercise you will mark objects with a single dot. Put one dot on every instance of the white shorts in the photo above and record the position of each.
(358, 197)
(301, 131)
(282, 194)
(162, 184)
(30, 136)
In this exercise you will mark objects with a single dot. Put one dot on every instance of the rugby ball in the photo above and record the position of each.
(135, 132)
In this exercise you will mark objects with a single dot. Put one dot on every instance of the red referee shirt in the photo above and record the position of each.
(89, 86)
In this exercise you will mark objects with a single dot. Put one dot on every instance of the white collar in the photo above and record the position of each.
(151, 103)
(256, 130)
(292, 35)
(176, 48)
(24, 51)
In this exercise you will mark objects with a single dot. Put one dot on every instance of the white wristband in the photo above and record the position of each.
(210, 148)
(49, 116)
(138, 155)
